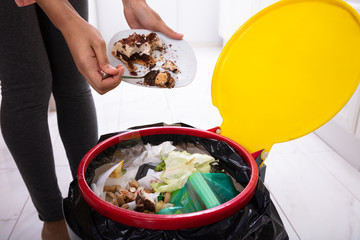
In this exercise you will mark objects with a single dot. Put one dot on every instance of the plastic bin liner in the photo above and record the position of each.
(259, 219)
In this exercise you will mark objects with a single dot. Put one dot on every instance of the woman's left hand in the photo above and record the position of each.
(139, 15)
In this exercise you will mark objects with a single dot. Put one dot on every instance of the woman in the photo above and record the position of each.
(48, 47)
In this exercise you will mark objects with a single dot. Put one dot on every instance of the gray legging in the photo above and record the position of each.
(35, 62)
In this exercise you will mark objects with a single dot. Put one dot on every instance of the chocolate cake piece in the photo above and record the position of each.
(159, 79)
(150, 77)
(155, 42)
(144, 203)
(170, 65)
(137, 48)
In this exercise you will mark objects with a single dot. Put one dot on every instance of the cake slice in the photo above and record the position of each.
(137, 48)
(159, 79)
(170, 65)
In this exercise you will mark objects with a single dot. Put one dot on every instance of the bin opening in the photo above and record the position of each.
(233, 158)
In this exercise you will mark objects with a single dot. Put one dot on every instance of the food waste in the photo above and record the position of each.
(136, 196)
(147, 183)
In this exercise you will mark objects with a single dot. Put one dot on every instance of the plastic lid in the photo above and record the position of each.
(287, 71)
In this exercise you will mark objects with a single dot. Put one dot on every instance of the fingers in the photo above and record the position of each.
(121, 70)
(99, 48)
(160, 26)
(101, 75)
(100, 85)
(163, 28)
(95, 77)
(103, 86)
(140, 15)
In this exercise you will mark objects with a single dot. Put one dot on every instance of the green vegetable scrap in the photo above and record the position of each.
(160, 167)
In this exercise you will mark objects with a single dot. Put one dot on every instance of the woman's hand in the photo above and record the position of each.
(85, 43)
(89, 52)
(139, 15)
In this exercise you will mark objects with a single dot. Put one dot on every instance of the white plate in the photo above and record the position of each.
(178, 51)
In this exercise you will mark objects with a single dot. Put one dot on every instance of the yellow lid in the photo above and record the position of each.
(287, 71)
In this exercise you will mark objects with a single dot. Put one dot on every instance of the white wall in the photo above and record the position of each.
(342, 132)
(233, 13)
(197, 20)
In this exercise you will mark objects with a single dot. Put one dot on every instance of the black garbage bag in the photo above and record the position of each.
(259, 219)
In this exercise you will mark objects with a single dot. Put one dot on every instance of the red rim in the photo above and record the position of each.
(166, 222)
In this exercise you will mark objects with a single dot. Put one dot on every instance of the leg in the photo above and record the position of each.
(26, 86)
(72, 94)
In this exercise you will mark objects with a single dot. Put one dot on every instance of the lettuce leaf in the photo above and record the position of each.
(178, 167)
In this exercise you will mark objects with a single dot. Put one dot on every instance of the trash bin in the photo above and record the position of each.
(250, 215)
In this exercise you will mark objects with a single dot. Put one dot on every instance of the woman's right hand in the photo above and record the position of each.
(85, 43)
(89, 52)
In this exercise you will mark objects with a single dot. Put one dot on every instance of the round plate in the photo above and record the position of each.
(287, 71)
(178, 51)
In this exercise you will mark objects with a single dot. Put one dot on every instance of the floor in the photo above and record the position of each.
(315, 191)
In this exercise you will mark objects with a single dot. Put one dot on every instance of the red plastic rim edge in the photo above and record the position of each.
(166, 222)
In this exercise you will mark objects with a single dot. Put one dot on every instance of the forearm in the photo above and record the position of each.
(134, 2)
(60, 12)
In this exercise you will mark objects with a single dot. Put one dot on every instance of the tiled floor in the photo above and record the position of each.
(316, 192)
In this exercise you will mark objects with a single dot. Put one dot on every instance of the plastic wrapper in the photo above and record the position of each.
(259, 219)
(137, 164)
(202, 191)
